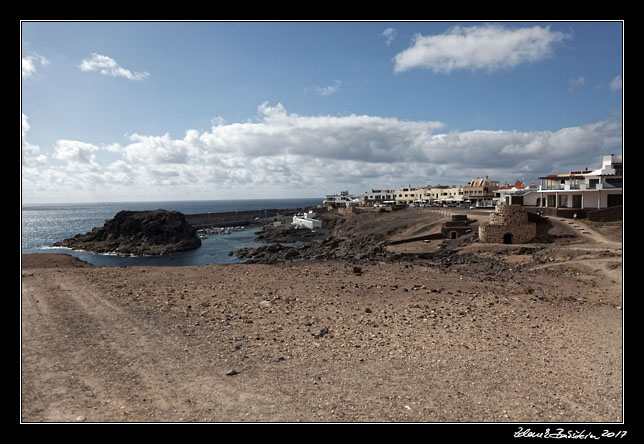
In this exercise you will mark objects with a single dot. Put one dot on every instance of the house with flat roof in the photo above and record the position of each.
(578, 192)
(344, 199)
(444, 194)
(407, 195)
(513, 194)
(379, 196)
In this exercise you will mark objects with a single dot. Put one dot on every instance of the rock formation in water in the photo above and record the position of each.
(138, 233)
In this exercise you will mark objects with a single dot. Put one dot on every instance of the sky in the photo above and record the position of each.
(154, 111)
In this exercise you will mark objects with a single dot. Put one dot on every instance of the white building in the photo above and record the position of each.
(444, 195)
(379, 196)
(407, 195)
(344, 199)
(306, 220)
(508, 194)
(586, 189)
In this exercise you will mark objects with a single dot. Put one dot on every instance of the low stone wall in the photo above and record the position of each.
(607, 214)
(602, 215)
(349, 209)
(509, 224)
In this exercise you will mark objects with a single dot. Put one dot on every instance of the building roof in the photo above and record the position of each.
(571, 175)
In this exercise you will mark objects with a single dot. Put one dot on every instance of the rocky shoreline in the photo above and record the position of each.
(365, 237)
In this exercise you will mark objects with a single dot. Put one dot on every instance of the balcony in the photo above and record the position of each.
(613, 185)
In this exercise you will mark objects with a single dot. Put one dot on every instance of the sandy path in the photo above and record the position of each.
(109, 362)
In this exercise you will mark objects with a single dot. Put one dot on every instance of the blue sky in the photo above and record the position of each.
(120, 111)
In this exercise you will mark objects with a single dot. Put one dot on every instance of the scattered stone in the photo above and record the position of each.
(322, 333)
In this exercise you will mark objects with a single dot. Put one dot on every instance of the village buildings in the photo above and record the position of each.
(577, 192)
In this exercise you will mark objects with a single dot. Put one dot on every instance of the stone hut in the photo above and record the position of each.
(508, 225)
(457, 227)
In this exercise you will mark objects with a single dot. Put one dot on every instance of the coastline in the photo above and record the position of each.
(526, 333)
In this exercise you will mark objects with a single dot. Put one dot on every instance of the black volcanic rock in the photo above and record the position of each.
(139, 233)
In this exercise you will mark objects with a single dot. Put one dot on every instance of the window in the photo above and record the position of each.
(552, 200)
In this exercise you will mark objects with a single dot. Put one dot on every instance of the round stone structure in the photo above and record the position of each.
(508, 225)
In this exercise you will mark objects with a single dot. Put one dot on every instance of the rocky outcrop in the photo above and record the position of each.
(331, 248)
(138, 233)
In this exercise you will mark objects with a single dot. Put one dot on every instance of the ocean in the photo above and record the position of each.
(44, 224)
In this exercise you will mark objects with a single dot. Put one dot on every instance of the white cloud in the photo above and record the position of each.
(29, 150)
(319, 90)
(25, 125)
(486, 47)
(389, 34)
(76, 154)
(30, 65)
(616, 83)
(108, 66)
(575, 83)
(328, 90)
(289, 154)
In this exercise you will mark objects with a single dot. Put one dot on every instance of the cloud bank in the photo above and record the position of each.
(289, 155)
(487, 48)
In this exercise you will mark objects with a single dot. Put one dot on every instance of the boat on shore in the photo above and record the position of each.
(203, 233)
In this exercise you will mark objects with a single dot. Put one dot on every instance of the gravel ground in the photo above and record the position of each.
(522, 333)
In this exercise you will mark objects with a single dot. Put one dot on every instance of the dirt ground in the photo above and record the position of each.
(316, 341)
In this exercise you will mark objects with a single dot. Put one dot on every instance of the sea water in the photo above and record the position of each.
(44, 224)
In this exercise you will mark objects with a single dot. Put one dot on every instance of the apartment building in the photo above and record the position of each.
(444, 195)
(480, 191)
(409, 194)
